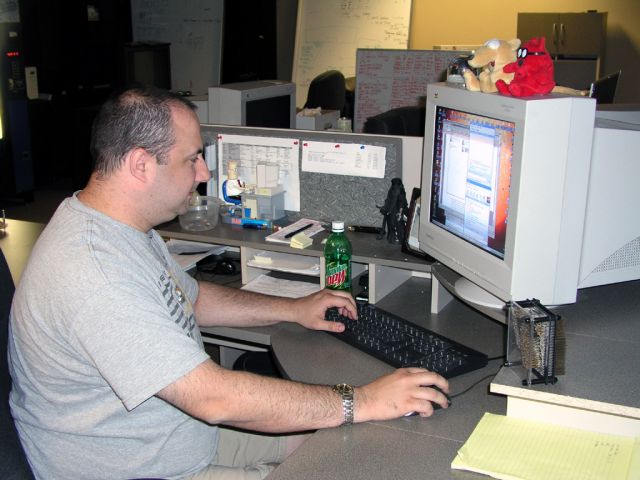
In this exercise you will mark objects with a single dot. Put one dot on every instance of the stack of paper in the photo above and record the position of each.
(281, 287)
(512, 448)
(187, 253)
(300, 240)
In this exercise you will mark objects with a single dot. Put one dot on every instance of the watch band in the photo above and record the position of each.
(346, 393)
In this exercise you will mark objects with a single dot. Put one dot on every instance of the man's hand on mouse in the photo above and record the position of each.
(402, 392)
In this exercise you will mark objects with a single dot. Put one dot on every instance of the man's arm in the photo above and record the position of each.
(245, 400)
(218, 305)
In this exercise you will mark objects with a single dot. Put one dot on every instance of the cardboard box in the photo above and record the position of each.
(327, 119)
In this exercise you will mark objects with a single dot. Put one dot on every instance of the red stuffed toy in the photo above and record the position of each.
(532, 71)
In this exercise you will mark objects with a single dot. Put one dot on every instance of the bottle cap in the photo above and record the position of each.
(337, 226)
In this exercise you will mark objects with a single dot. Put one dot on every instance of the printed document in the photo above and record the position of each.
(343, 159)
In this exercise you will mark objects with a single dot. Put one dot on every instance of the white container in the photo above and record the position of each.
(327, 119)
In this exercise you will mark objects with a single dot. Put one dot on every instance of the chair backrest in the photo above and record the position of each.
(13, 461)
(328, 91)
(604, 89)
(408, 121)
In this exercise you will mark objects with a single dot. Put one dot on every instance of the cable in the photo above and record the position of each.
(473, 385)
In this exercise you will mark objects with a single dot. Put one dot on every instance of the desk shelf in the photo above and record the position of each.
(388, 267)
(254, 262)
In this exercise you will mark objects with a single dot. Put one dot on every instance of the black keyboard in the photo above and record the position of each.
(401, 343)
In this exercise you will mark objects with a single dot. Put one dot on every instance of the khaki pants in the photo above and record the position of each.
(243, 456)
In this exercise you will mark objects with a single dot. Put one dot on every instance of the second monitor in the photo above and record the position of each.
(262, 103)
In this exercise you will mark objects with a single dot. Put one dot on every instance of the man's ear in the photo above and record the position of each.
(140, 164)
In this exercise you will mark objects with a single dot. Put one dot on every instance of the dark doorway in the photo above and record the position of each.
(249, 43)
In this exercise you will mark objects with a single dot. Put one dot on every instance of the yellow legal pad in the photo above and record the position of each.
(511, 448)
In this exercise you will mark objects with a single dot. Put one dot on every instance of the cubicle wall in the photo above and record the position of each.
(326, 193)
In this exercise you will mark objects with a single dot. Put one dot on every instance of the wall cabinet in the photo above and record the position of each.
(576, 41)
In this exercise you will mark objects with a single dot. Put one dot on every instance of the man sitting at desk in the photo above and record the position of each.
(111, 379)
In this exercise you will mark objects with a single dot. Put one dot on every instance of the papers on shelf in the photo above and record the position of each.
(282, 262)
(280, 287)
(512, 448)
(187, 253)
(281, 235)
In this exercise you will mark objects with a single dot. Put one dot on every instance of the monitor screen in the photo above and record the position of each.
(471, 177)
(273, 112)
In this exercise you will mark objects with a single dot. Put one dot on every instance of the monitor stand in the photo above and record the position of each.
(475, 295)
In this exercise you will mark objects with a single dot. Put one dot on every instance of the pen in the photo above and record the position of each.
(301, 229)
(255, 226)
(361, 229)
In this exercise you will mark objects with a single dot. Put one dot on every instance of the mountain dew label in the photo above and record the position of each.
(338, 276)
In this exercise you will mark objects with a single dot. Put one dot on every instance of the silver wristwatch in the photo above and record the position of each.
(346, 393)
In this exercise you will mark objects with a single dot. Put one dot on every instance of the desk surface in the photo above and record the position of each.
(16, 242)
(603, 347)
(603, 351)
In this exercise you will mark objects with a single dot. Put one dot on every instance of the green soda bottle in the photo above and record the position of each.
(337, 256)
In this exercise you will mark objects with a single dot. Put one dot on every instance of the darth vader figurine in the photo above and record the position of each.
(394, 212)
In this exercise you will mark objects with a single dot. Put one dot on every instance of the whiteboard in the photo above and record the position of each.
(329, 32)
(9, 11)
(387, 79)
(194, 30)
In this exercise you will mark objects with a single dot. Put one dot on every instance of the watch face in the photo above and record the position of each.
(344, 389)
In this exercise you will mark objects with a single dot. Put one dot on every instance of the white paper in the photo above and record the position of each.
(280, 287)
(343, 159)
(249, 150)
(283, 262)
(187, 253)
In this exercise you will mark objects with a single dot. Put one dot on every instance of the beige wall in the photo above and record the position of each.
(467, 22)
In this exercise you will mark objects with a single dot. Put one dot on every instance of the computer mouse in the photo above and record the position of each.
(436, 406)
(224, 267)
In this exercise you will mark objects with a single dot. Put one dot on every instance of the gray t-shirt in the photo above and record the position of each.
(102, 320)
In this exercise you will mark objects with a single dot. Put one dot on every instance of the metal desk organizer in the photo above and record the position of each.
(535, 341)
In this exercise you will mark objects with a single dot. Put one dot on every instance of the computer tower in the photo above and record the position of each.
(16, 165)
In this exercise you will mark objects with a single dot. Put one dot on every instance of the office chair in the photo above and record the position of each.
(407, 121)
(327, 91)
(13, 461)
(604, 89)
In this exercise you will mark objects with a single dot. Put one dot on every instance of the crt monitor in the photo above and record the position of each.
(504, 191)
(262, 103)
